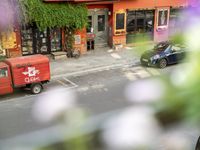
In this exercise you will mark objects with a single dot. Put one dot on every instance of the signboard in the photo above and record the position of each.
(77, 39)
(120, 22)
(8, 40)
(2, 51)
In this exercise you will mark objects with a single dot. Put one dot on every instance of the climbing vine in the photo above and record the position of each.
(50, 15)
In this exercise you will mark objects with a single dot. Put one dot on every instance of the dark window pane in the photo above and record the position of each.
(140, 22)
(120, 21)
(101, 22)
(55, 35)
(89, 18)
(149, 14)
(131, 21)
(89, 24)
(140, 14)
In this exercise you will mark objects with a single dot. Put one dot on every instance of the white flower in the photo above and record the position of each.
(52, 104)
(192, 35)
(132, 129)
(145, 90)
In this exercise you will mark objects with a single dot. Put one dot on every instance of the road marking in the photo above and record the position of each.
(97, 86)
(142, 74)
(153, 71)
(75, 85)
(54, 83)
(115, 55)
(64, 84)
(131, 76)
(83, 89)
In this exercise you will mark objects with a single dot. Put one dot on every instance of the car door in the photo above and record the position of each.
(5, 81)
(170, 55)
(180, 55)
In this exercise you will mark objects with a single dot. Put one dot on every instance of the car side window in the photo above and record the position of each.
(168, 49)
(3, 72)
(176, 48)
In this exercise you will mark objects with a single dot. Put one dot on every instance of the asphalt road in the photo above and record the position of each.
(97, 93)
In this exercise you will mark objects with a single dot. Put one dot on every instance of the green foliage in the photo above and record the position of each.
(50, 15)
(2, 58)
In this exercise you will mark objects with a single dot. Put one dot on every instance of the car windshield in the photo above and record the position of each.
(161, 46)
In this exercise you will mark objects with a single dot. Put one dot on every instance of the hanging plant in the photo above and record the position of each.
(50, 15)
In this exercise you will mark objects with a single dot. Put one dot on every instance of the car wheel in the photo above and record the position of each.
(162, 63)
(36, 88)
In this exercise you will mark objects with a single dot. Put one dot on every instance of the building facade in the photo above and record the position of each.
(110, 23)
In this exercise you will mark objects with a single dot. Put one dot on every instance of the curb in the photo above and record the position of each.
(96, 69)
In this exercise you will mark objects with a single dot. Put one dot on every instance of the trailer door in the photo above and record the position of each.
(5, 81)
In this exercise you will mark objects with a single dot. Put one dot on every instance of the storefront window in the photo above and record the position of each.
(140, 23)
(131, 21)
(27, 40)
(89, 25)
(174, 20)
(149, 21)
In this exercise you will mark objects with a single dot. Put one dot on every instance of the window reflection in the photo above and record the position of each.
(101, 22)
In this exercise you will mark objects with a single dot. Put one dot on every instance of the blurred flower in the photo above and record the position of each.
(6, 14)
(179, 76)
(175, 141)
(134, 128)
(52, 104)
(145, 90)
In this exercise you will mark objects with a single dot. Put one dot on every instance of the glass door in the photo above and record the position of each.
(41, 43)
(101, 23)
(27, 40)
(55, 39)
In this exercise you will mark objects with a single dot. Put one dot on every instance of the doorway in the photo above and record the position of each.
(97, 25)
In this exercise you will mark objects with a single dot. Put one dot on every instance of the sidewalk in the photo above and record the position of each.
(99, 59)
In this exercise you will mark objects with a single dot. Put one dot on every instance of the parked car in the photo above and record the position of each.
(163, 54)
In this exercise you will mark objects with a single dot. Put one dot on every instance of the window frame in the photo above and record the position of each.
(5, 72)
(123, 30)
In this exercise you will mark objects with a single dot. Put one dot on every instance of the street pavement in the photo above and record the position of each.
(95, 60)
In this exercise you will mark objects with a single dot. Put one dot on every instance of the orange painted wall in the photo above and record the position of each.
(139, 4)
(146, 4)
(82, 46)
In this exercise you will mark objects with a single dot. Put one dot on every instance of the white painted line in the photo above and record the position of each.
(115, 55)
(89, 71)
(83, 89)
(97, 86)
(110, 50)
(131, 76)
(153, 71)
(62, 83)
(75, 85)
(43, 93)
(128, 48)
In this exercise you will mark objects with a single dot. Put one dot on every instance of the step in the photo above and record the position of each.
(59, 55)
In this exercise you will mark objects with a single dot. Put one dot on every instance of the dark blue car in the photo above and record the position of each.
(162, 54)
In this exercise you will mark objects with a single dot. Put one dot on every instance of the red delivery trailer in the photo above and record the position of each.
(26, 71)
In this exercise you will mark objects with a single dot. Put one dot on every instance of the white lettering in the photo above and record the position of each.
(31, 79)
